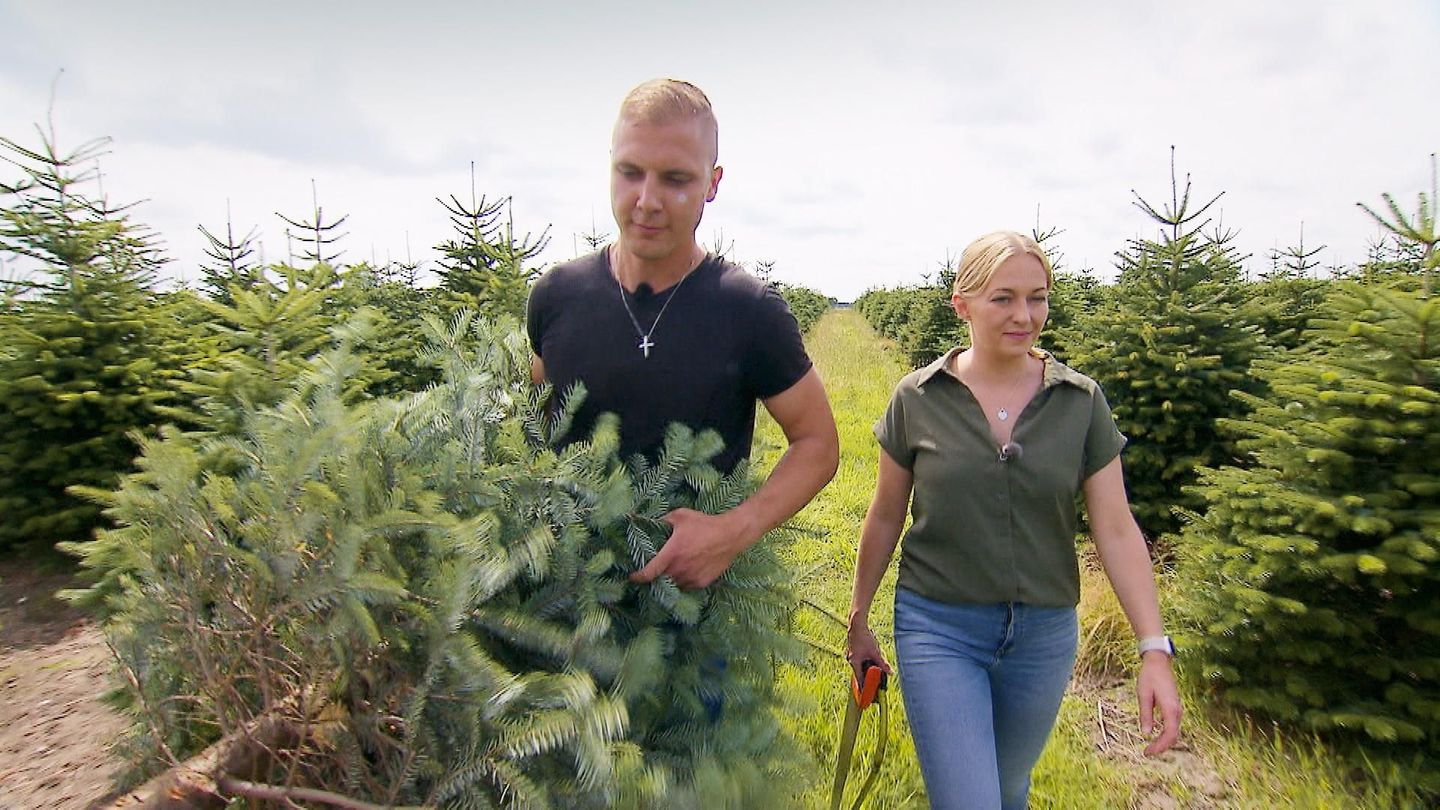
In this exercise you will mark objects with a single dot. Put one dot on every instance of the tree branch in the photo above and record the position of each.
(257, 790)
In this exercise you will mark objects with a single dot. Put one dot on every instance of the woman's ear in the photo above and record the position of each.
(961, 307)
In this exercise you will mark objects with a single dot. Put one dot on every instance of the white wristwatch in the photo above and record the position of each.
(1162, 643)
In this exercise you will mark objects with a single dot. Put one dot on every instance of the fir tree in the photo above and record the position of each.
(1288, 296)
(805, 304)
(1073, 294)
(885, 310)
(1413, 242)
(720, 247)
(1074, 297)
(1168, 349)
(443, 595)
(484, 265)
(928, 324)
(230, 264)
(1294, 261)
(594, 238)
(81, 370)
(262, 343)
(318, 237)
(1318, 600)
(397, 335)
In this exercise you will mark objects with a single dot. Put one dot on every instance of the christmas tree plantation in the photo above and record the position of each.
(1316, 594)
(436, 599)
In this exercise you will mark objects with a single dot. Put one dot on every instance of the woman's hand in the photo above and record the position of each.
(1156, 690)
(860, 646)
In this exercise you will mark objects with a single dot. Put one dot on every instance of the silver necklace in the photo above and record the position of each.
(646, 344)
(1003, 413)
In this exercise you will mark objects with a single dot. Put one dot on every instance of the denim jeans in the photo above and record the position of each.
(982, 686)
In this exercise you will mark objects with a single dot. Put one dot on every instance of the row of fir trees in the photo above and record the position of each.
(94, 349)
(319, 499)
(1283, 457)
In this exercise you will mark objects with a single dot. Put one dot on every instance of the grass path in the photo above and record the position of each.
(1093, 759)
(859, 372)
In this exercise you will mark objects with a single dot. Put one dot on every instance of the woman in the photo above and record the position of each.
(995, 441)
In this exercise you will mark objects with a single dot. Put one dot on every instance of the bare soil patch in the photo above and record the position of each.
(55, 733)
(1180, 777)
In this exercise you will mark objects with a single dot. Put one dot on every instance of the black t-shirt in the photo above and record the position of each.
(725, 340)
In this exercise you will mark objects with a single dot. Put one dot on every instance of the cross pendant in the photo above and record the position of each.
(645, 344)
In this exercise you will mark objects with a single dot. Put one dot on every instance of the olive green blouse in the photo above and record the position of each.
(989, 529)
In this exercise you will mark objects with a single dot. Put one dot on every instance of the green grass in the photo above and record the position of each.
(1069, 774)
(1223, 760)
(1270, 766)
(859, 371)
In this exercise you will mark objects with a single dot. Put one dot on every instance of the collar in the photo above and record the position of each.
(1055, 372)
(611, 250)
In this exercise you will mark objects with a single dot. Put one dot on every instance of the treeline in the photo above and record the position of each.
(1283, 438)
(93, 352)
(805, 304)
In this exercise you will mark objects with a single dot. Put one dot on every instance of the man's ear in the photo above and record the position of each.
(715, 176)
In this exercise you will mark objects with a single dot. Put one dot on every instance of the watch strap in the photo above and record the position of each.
(1162, 643)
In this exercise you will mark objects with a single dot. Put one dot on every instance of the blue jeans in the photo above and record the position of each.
(982, 686)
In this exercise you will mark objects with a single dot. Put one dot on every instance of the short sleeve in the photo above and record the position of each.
(777, 351)
(1103, 441)
(535, 310)
(890, 432)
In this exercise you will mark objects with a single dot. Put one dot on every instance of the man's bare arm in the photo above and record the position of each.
(803, 413)
(702, 546)
(537, 369)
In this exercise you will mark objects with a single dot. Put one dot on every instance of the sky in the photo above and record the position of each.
(863, 143)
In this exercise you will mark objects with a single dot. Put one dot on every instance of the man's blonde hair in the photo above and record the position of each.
(665, 101)
(985, 255)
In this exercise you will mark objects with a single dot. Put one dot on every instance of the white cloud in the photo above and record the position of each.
(861, 142)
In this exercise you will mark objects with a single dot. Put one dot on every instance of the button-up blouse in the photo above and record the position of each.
(991, 527)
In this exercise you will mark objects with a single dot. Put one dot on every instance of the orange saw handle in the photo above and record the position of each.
(874, 680)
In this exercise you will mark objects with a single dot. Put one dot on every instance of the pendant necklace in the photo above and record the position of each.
(1003, 413)
(646, 344)
(1009, 448)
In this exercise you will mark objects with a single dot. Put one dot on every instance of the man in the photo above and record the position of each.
(660, 332)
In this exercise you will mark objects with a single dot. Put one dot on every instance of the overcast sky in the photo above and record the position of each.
(862, 142)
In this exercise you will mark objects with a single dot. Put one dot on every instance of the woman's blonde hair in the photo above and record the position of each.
(983, 256)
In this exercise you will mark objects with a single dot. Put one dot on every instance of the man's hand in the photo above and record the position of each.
(699, 550)
(702, 546)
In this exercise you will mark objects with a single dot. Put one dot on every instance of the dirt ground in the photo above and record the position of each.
(1116, 737)
(54, 731)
